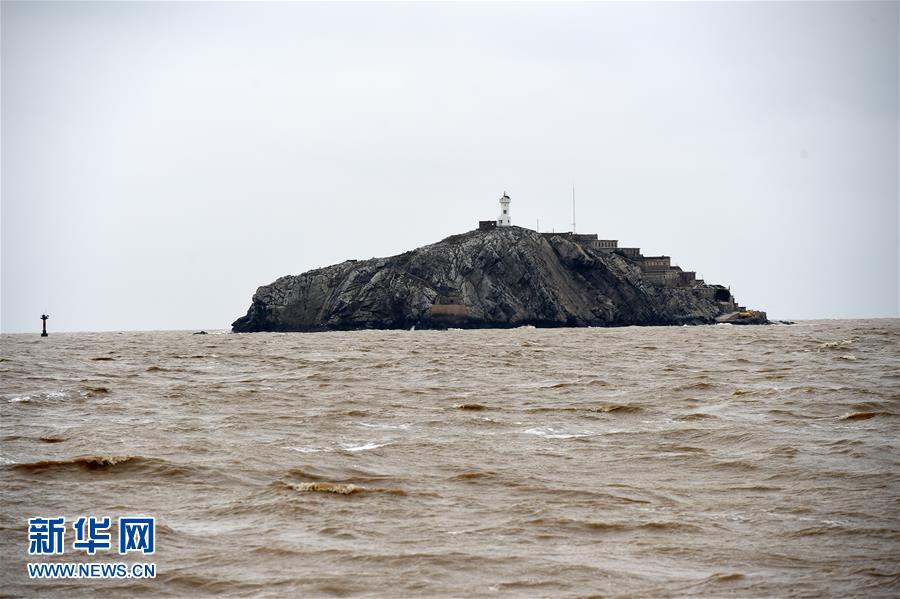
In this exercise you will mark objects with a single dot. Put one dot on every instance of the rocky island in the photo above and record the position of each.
(498, 276)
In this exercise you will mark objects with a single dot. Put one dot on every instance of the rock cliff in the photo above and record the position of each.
(503, 277)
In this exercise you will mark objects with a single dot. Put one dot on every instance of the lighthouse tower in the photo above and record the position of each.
(503, 221)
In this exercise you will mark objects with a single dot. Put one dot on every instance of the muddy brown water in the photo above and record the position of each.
(662, 461)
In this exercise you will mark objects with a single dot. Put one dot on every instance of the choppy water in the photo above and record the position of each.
(685, 461)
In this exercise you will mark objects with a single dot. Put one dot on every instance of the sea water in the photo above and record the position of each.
(662, 461)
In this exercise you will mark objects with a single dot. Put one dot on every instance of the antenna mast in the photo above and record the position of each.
(573, 207)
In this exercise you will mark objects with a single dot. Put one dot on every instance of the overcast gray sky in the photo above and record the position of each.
(160, 161)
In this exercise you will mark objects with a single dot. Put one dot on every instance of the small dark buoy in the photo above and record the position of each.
(44, 317)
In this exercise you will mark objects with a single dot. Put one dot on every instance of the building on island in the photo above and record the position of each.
(656, 263)
(655, 270)
(607, 245)
(504, 221)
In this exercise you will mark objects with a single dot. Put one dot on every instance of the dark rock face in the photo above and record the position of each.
(503, 277)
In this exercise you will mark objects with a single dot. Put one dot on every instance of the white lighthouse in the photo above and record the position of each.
(503, 221)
